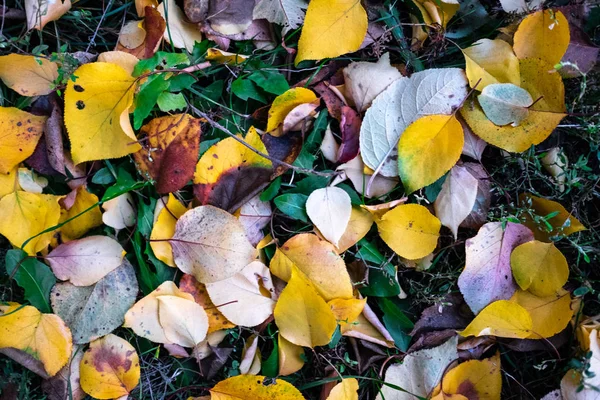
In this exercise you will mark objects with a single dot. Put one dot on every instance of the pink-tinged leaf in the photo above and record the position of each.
(478, 215)
(474, 145)
(350, 127)
(487, 276)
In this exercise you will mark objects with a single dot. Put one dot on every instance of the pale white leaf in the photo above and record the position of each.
(329, 147)
(30, 181)
(355, 171)
(254, 216)
(40, 12)
(119, 213)
(456, 199)
(288, 13)
(182, 33)
(329, 209)
(184, 321)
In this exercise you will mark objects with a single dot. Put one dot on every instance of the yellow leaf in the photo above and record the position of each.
(502, 318)
(539, 267)
(473, 379)
(491, 61)
(347, 389)
(543, 34)
(24, 215)
(331, 28)
(427, 149)
(410, 230)
(290, 356)
(124, 60)
(346, 311)
(437, 12)
(285, 103)
(43, 336)
(254, 387)
(546, 89)
(225, 57)
(97, 112)
(28, 75)
(82, 224)
(301, 315)
(359, 225)
(8, 182)
(318, 260)
(164, 228)
(21, 132)
(563, 223)
(110, 368)
(549, 315)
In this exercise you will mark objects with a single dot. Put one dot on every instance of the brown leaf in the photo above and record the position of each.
(154, 26)
(450, 313)
(332, 101)
(350, 127)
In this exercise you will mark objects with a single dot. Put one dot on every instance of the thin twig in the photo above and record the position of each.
(93, 38)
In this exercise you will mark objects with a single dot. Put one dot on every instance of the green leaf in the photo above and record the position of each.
(34, 277)
(293, 205)
(271, 191)
(305, 159)
(310, 184)
(125, 183)
(103, 177)
(180, 82)
(270, 367)
(396, 323)
(147, 97)
(145, 216)
(432, 191)
(163, 59)
(170, 102)
(246, 89)
(354, 197)
(271, 82)
(382, 282)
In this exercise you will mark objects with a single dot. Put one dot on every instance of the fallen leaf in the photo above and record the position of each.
(581, 51)
(329, 209)
(24, 215)
(505, 103)
(66, 382)
(31, 182)
(250, 363)
(21, 133)
(184, 322)
(473, 379)
(549, 315)
(140, 6)
(164, 228)
(180, 32)
(85, 261)
(347, 389)
(502, 318)
(224, 57)
(434, 91)
(8, 182)
(331, 29)
(124, 60)
(254, 216)
(360, 176)
(473, 146)
(302, 315)
(216, 320)
(119, 213)
(491, 61)
(419, 373)
(487, 276)
(43, 336)
(287, 13)
(247, 298)
(539, 268)
(97, 112)
(329, 147)
(28, 75)
(437, 13)
(555, 162)
(228, 174)
(152, 28)
(110, 368)
(88, 213)
(543, 35)
(456, 199)
(40, 12)
(171, 152)
(209, 255)
(359, 225)
(132, 35)
(410, 230)
(249, 387)
(360, 84)
(368, 327)
(347, 311)
(299, 118)
(290, 356)
(479, 213)
(94, 311)
(562, 224)
(350, 124)
(285, 103)
(570, 385)
(427, 149)
(318, 260)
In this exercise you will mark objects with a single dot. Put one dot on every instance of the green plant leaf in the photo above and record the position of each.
(246, 89)
(271, 82)
(396, 323)
(293, 205)
(34, 277)
(170, 102)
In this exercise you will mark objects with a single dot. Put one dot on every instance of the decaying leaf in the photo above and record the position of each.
(28, 75)
(287, 13)
(21, 132)
(143, 38)
(457, 198)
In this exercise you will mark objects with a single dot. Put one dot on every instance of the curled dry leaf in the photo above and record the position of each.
(94, 311)
(250, 363)
(210, 255)
(247, 298)
(555, 162)
(456, 199)
(479, 213)
(356, 171)
(21, 130)
(285, 103)
(473, 146)
(110, 368)
(43, 336)
(85, 261)
(119, 213)
(143, 38)
(329, 209)
(28, 75)
(329, 147)
(350, 124)
(164, 228)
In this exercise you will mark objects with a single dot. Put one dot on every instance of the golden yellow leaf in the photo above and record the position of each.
(437, 12)
(502, 318)
(97, 112)
(546, 89)
(359, 225)
(225, 57)
(290, 356)
(491, 61)
(164, 228)
(28, 75)
(331, 28)
(24, 215)
(317, 259)
(45, 337)
(473, 379)
(410, 230)
(347, 389)
(82, 224)
(544, 35)
(21, 132)
(563, 223)
(346, 311)
(539, 267)
(427, 149)
(124, 60)
(110, 368)
(285, 103)
(301, 315)
(549, 314)
(254, 387)
(8, 182)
